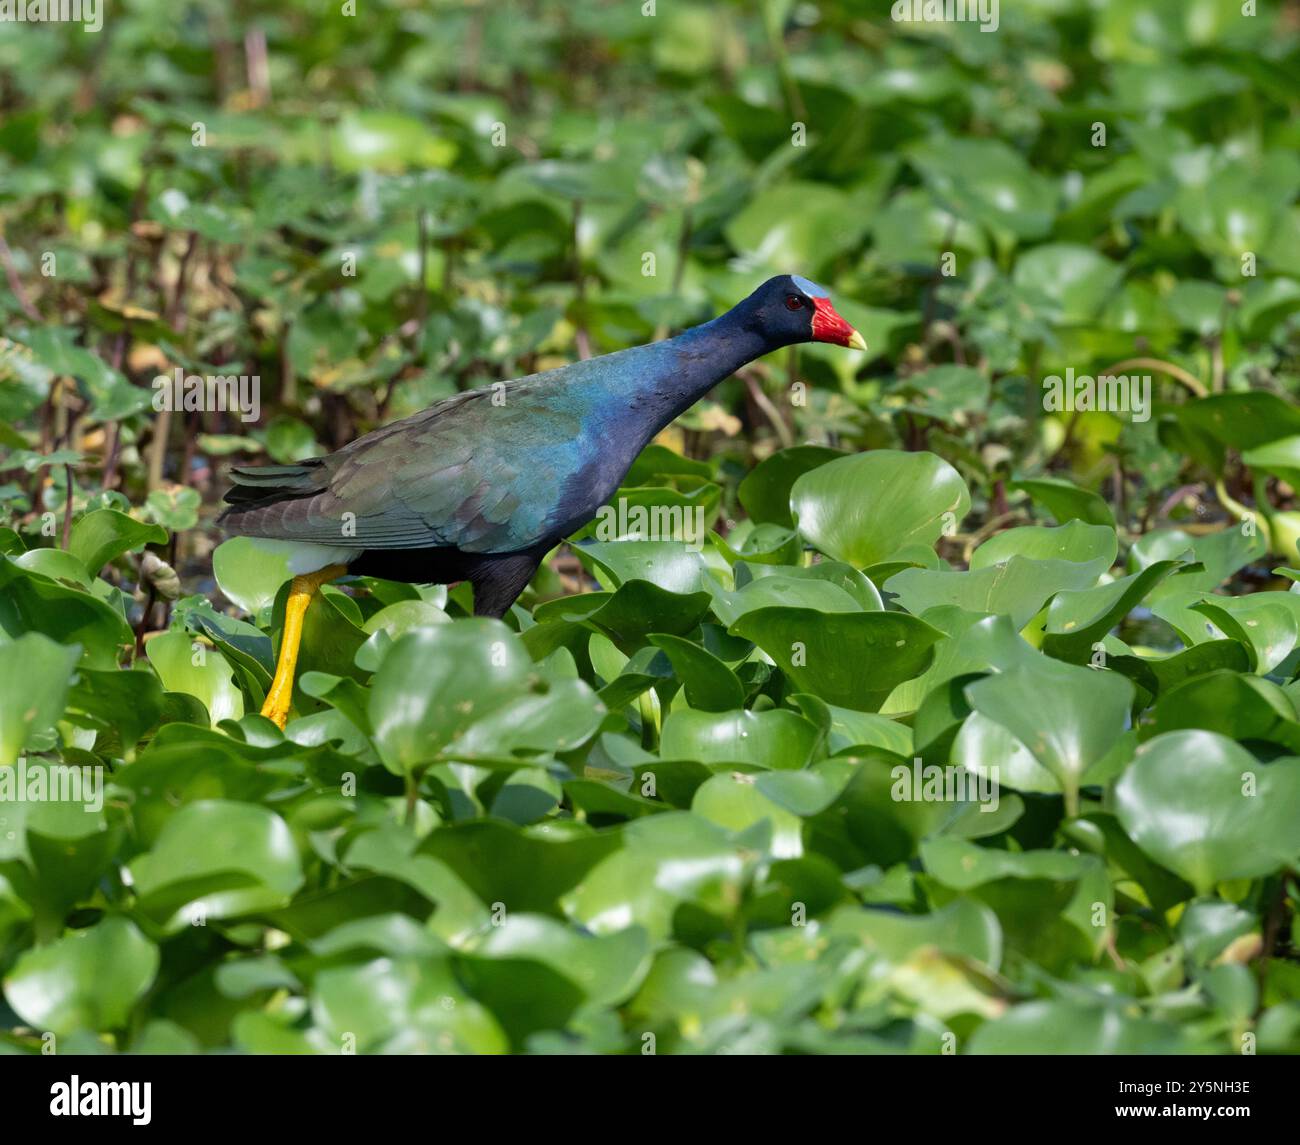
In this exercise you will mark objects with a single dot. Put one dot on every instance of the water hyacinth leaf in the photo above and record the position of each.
(1078, 619)
(35, 673)
(364, 140)
(1221, 554)
(963, 927)
(765, 491)
(1011, 575)
(1207, 926)
(1074, 543)
(709, 684)
(332, 637)
(627, 616)
(121, 705)
(217, 859)
(434, 683)
(403, 1005)
(1229, 817)
(850, 728)
(249, 651)
(30, 602)
(659, 461)
(804, 793)
(842, 575)
(758, 544)
(1157, 674)
(190, 666)
(852, 659)
(1065, 501)
(985, 748)
(1242, 421)
(1241, 707)
(975, 643)
(946, 392)
(1061, 1027)
(777, 739)
(88, 980)
(781, 591)
(733, 801)
(530, 871)
(55, 564)
(665, 860)
(402, 616)
(940, 716)
(560, 719)
(606, 968)
(881, 814)
(669, 564)
(101, 536)
(964, 866)
(988, 182)
(1281, 458)
(1267, 624)
(174, 507)
(1067, 717)
(250, 572)
(788, 225)
(1016, 588)
(1075, 280)
(864, 508)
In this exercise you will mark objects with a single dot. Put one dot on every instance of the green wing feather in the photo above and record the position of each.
(466, 472)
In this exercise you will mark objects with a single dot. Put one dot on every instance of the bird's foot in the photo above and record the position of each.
(279, 699)
(276, 708)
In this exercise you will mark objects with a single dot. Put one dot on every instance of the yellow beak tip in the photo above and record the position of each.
(857, 341)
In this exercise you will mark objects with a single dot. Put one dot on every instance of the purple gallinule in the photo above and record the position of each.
(480, 486)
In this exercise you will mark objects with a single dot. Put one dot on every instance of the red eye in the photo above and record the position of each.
(793, 302)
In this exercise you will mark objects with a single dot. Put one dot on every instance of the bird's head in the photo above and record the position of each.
(789, 309)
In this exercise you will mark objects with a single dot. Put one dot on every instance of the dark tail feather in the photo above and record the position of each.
(273, 482)
(267, 484)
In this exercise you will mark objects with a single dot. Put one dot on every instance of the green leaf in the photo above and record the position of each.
(709, 684)
(35, 673)
(865, 508)
(189, 666)
(1240, 707)
(403, 1005)
(853, 659)
(217, 859)
(988, 182)
(434, 683)
(1067, 501)
(1061, 1027)
(769, 739)
(793, 224)
(89, 980)
(1075, 280)
(733, 802)
(1227, 817)
(1078, 619)
(30, 602)
(765, 491)
(101, 536)
(1066, 717)
(250, 572)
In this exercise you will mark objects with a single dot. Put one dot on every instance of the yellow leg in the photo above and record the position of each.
(301, 591)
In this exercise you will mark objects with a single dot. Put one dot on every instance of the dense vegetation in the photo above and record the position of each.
(671, 804)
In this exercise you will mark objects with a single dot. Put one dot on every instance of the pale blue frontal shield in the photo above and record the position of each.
(810, 288)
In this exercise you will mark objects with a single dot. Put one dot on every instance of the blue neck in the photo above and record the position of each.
(663, 380)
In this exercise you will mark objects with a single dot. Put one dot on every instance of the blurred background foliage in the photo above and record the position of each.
(371, 211)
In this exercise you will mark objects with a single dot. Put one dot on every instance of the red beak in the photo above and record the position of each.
(827, 326)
